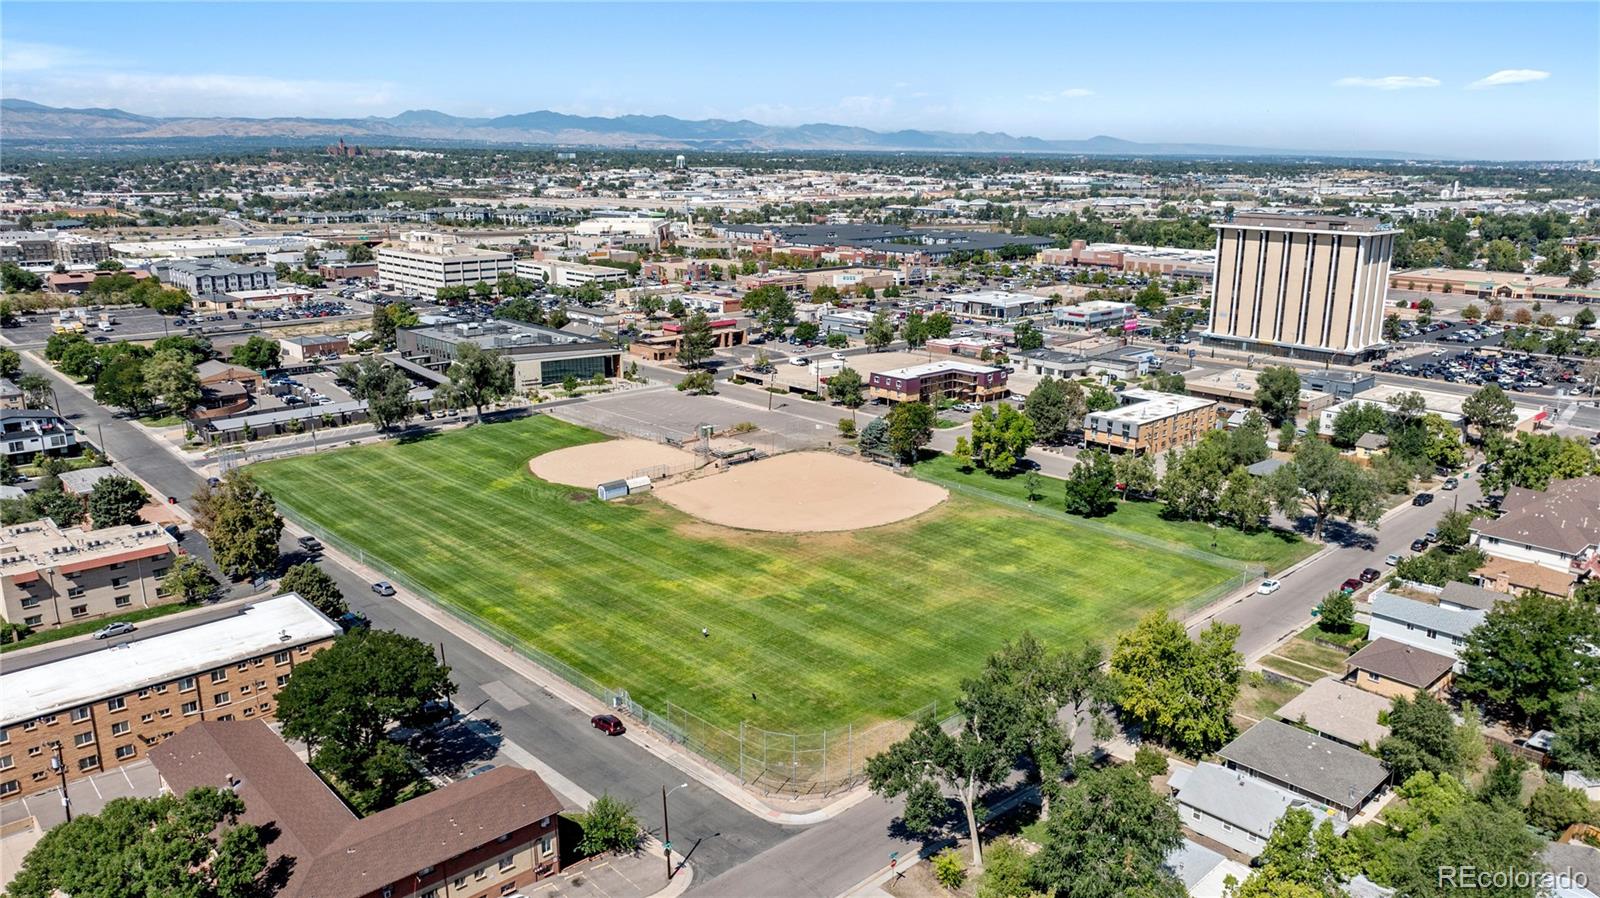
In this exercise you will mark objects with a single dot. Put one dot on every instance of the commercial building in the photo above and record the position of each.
(52, 575)
(1302, 286)
(1490, 285)
(1445, 405)
(660, 347)
(1341, 384)
(851, 322)
(313, 346)
(945, 379)
(1148, 421)
(636, 230)
(1135, 259)
(997, 304)
(1237, 386)
(77, 282)
(1333, 775)
(540, 355)
(1096, 314)
(25, 433)
(203, 277)
(481, 837)
(570, 275)
(427, 262)
(106, 705)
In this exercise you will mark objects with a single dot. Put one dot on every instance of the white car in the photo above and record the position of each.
(839, 356)
(1268, 587)
(797, 360)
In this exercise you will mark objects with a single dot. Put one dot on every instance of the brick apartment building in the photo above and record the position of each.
(948, 379)
(1148, 421)
(52, 575)
(104, 705)
(481, 837)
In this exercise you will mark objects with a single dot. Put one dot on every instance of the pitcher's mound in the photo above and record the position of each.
(803, 492)
(592, 464)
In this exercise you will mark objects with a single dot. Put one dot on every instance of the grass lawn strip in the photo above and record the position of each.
(1291, 668)
(824, 629)
(1310, 654)
(79, 628)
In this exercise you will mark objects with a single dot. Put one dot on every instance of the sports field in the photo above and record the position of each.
(826, 628)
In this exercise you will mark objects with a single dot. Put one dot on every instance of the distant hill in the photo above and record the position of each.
(25, 120)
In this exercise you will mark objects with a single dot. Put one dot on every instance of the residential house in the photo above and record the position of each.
(1557, 529)
(1434, 626)
(1308, 765)
(1236, 809)
(1340, 712)
(25, 433)
(1394, 669)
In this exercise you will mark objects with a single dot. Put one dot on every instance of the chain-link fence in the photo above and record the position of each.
(796, 764)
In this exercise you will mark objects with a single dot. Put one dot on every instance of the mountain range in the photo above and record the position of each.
(25, 120)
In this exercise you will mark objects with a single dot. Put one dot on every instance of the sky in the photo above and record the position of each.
(1461, 80)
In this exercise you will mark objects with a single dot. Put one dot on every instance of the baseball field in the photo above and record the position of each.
(806, 630)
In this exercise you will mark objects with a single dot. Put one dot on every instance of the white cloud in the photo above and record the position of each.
(209, 94)
(865, 107)
(1070, 93)
(23, 56)
(1508, 76)
(1388, 82)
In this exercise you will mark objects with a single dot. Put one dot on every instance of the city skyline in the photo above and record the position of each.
(937, 67)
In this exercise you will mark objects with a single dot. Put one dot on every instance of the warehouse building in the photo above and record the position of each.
(540, 355)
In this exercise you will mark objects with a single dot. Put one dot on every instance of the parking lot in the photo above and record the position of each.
(136, 780)
(1514, 372)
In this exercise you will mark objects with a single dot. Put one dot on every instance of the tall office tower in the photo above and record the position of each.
(1302, 286)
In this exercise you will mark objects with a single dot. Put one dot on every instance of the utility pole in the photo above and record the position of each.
(60, 768)
(666, 827)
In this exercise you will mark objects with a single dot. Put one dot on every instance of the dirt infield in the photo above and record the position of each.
(803, 492)
(592, 464)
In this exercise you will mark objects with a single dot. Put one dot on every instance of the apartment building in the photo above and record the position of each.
(102, 706)
(1301, 286)
(25, 433)
(205, 277)
(427, 262)
(481, 837)
(52, 575)
(1148, 421)
(37, 249)
(944, 379)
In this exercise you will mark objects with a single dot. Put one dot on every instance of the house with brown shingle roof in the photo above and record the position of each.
(481, 837)
(1557, 529)
(1392, 668)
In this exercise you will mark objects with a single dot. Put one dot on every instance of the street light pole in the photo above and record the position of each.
(666, 827)
(60, 768)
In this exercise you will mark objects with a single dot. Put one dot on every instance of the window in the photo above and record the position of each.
(39, 775)
(507, 888)
(117, 567)
(424, 872)
(282, 679)
(82, 739)
(547, 845)
(162, 689)
(121, 728)
(481, 873)
(507, 862)
(245, 689)
(89, 763)
(225, 717)
(33, 620)
(221, 698)
(249, 712)
(244, 666)
(280, 658)
(118, 581)
(191, 707)
(431, 893)
(116, 704)
(76, 592)
(460, 883)
(4, 736)
(80, 610)
(9, 787)
(30, 726)
(30, 601)
(167, 712)
(79, 715)
(123, 601)
(219, 676)
(35, 751)
(186, 684)
(144, 693)
(124, 752)
(5, 762)
(147, 718)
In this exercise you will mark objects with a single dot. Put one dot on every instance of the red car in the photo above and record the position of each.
(1351, 585)
(609, 724)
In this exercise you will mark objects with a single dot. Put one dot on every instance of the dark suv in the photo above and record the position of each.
(609, 724)
(1422, 499)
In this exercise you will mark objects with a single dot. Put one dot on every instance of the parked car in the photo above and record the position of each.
(1451, 483)
(1419, 545)
(352, 621)
(114, 629)
(1393, 559)
(1422, 499)
(383, 588)
(1370, 574)
(1350, 585)
(1268, 587)
(798, 360)
(609, 724)
(1432, 535)
(309, 544)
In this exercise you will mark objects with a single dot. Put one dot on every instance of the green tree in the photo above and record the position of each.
(1100, 399)
(1109, 839)
(875, 437)
(697, 342)
(1178, 690)
(115, 501)
(1320, 481)
(525, 309)
(915, 329)
(1027, 336)
(1554, 807)
(1577, 742)
(1090, 490)
(1455, 529)
(358, 252)
(10, 363)
(1422, 736)
(1278, 393)
(608, 826)
(37, 391)
(1056, 408)
(383, 387)
(1502, 255)
(1530, 656)
(1302, 859)
(121, 383)
(1354, 420)
(1391, 327)
(1338, 612)
(190, 581)
(52, 502)
(16, 279)
(242, 522)
(837, 340)
(1582, 276)
(558, 317)
(880, 331)
(1286, 436)
(948, 869)
(698, 383)
(257, 353)
(387, 319)
(1489, 410)
(1243, 503)
(192, 845)
(845, 387)
(1442, 444)
(1533, 460)
(778, 312)
(170, 377)
(1008, 871)
(1136, 474)
(314, 585)
(1000, 438)
(939, 325)
(479, 377)
(807, 332)
(910, 429)
(1502, 785)
(342, 700)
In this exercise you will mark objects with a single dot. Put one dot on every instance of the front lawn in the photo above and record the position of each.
(79, 628)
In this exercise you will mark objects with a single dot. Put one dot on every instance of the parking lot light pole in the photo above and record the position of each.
(60, 767)
(666, 827)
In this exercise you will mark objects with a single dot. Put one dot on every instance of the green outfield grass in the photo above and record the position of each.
(825, 629)
(1272, 549)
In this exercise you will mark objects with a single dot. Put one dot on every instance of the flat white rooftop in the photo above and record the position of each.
(125, 666)
(1141, 406)
(933, 368)
(997, 298)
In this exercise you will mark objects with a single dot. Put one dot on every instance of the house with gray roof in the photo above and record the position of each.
(1308, 765)
(1238, 810)
(1434, 626)
(1466, 597)
(1557, 528)
(1340, 712)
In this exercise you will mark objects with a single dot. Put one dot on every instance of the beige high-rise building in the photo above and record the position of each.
(1303, 286)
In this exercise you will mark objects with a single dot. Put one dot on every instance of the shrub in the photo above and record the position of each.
(949, 869)
(1006, 872)
(608, 825)
(1148, 762)
(1338, 612)
(847, 428)
(1555, 807)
